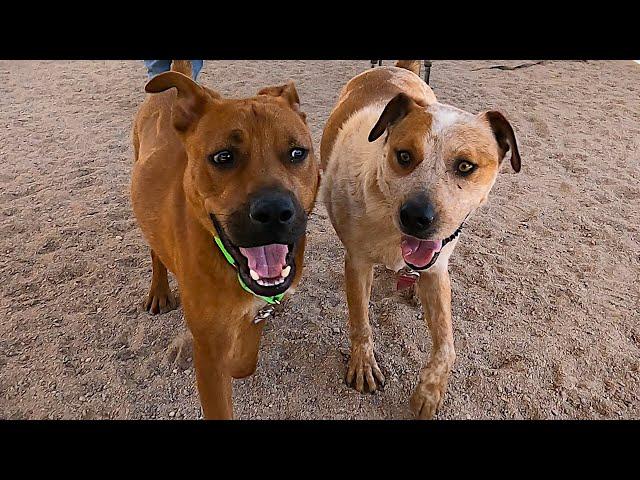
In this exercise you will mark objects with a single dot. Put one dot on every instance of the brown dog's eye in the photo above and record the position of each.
(298, 154)
(465, 168)
(223, 157)
(404, 158)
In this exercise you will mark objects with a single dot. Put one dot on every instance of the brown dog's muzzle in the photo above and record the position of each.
(271, 215)
(263, 237)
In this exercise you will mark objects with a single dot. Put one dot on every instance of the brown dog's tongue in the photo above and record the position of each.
(268, 260)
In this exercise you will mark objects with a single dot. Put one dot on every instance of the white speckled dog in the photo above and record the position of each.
(402, 173)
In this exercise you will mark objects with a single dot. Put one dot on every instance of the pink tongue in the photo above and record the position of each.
(419, 252)
(268, 260)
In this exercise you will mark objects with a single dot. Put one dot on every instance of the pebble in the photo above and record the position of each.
(172, 414)
(118, 237)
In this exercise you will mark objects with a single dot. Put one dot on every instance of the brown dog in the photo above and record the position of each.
(402, 173)
(243, 171)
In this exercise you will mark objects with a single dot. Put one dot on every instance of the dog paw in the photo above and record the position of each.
(180, 351)
(363, 368)
(427, 398)
(160, 302)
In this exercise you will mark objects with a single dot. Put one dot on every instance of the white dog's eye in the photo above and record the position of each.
(404, 158)
(465, 167)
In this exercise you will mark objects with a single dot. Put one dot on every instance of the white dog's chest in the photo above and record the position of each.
(385, 253)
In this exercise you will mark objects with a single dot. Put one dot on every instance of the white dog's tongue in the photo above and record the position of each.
(268, 260)
(419, 252)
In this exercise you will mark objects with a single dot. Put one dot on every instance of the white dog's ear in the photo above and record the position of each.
(505, 136)
(191, 100)
(397, 108)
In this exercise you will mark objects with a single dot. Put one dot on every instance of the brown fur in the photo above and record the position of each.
(182, 66)
(379, 113)
(375, 85)
(174, 189)
(411, 65)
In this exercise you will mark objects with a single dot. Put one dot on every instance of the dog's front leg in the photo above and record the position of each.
(362, 363)
(434, 290)
(214, 384)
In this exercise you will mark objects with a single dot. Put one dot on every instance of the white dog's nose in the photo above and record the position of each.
(417, 215)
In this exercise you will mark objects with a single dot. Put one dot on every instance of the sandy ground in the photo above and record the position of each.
(545, 278)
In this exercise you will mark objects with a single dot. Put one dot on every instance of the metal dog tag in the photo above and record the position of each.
(406, 278)
(263, 314)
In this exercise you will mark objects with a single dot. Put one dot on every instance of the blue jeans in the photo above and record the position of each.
(154, 67)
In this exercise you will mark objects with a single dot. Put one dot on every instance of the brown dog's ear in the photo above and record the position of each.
(287, 92)
(189, 105)
(397, 108)
(505, 137)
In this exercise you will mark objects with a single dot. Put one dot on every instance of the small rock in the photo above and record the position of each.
(118, 237)
(172, 414)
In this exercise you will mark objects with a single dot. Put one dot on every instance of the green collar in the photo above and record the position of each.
(275, 299)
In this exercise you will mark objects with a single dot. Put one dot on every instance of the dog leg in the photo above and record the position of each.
(434, 290)
(214, 384)
(160, 298)
(362, 363)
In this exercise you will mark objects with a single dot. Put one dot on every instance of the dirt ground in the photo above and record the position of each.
(546, 278)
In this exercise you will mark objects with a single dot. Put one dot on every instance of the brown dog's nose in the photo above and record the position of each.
(417, 215)
(273, 209)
